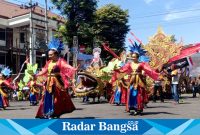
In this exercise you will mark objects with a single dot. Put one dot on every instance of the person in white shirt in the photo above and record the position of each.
(174, 84)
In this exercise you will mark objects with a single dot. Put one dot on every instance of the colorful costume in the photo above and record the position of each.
(4, 102)
(135, 95)
(55, 98)
(34, 92)
(91, 85)
(120, 90)
(32, 84)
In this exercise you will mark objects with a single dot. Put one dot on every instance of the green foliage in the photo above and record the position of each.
(111, 26)
(88, 50)
(80, 16)
(93, 27)
(173, 38)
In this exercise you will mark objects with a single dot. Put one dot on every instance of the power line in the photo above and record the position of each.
(168, 25)
(166, 13)
(163, 21)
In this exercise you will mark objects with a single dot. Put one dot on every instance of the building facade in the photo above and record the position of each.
(15, 33)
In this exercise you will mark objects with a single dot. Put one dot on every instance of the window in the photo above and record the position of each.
(22, 38)
(2, 34)
(2, 59)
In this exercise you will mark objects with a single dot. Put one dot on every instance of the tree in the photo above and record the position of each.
(111, 26)
(173, 38)
(80, 16)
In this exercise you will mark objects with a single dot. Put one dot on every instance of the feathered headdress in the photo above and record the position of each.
(135, 48)
(56, 45)
(6, 71)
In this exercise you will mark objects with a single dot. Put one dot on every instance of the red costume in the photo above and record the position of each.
(4, 102)
(55, 99)
(135, 95)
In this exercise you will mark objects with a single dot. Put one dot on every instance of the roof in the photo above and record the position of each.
(10, 10)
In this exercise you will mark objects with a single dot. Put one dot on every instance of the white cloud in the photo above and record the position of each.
(168, 5)
(148, 1)
(179, 14)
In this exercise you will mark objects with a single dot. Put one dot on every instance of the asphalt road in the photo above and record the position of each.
(189, 108)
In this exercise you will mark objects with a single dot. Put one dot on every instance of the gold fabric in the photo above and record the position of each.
(54, 81)
(136, 78)
(4, 94)
(33, 90)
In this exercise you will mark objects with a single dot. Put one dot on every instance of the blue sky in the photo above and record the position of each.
(177, 17)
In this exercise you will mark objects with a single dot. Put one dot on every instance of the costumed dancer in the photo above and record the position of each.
(33, 84)
(29, 81)
(137, 83)
(34, 91)
(4, 83)
(55, 99)
(120, 94)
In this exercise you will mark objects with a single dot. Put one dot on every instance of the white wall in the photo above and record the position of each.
(3, 22)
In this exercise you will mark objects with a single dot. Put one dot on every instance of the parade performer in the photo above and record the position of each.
(55, 99)
(122, 86)
(34, 91)
(4, 83)
(120, 93)
(137, 83)
(28, 80)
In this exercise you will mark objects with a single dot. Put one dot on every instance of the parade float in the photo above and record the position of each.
(92, 82)
(164, 51)
(160, 49)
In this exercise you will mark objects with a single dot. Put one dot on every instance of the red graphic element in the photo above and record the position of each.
(109, 50)
(186, 52)
(136, 38)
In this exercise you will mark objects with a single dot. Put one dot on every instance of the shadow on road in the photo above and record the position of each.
(159, 107)
(79, 108)
(184, 102)
(17, 108)
(80, 118)
(151, 113)
(94, 103)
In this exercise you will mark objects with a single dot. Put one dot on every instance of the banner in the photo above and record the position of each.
(178, 63)
(99, 126)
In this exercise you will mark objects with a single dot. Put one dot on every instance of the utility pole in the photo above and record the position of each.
(31, 55)
(75, 50)
(46, 23)
(32, 52)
